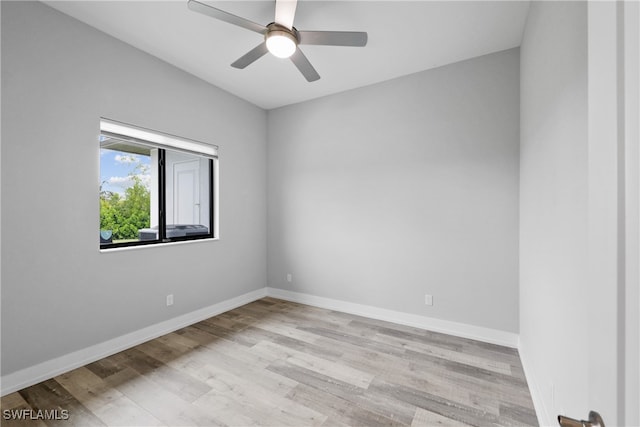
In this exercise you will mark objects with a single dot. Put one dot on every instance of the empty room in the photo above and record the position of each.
(320, 213)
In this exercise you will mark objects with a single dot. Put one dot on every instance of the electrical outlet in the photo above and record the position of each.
(428, 299)
(169, 300)
(289, 277)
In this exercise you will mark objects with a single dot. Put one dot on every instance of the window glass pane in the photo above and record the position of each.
(187, 194)
(128, 189)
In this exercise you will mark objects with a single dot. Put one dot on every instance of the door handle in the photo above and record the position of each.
(595, 420)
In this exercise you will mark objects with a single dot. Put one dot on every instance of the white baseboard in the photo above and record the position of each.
(49, 369)
(544, 419)
(493, 336)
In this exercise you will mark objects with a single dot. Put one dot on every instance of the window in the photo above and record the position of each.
(154, 187)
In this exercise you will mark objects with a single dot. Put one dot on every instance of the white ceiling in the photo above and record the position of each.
(404, 37)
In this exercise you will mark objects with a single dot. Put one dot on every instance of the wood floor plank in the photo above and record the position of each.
(518, 413)
(225, 333)
(332, 422)
(288, 330)
(444, 387)
(299, 314)
(356, 340)
(227, 409)
(446, 354)
(178, 382)
(178, 341)
(107, 366)
(365, 359)
(436, 404)
(12, 400)
(50, 395)
(19, 412)
(335, 370)
(231, 324)
(241, 354)
(424, 418)
(106, 402)
(463, 368)
(358, 397)
(209, 363)
(492, 388)
(123, 412)
(88, 388)
(162, 404)
(277, 363)
(462, 345)
(295, 339)
(262, 406)
(451, 384)
(340, 411)
(201, 336)
(402, 371)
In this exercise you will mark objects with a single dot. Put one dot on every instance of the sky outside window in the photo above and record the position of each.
(118, 170)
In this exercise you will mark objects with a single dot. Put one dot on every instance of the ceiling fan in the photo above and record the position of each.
(281, 38)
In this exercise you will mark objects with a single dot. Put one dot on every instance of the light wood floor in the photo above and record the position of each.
(277, 363)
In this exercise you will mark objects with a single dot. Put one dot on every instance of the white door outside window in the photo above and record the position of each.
(186, 194)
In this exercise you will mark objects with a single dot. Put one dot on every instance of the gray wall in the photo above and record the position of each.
(59, 293)
(382, 194)
(554, 206)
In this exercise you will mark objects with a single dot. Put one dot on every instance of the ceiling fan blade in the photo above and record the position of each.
(251, 56)
(285, 12)
(333, 38)
(304, 66)
(196, 6)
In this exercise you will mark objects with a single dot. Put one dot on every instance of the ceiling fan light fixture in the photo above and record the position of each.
(281, 44)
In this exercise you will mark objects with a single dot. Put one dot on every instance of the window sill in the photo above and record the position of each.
(155, 245)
